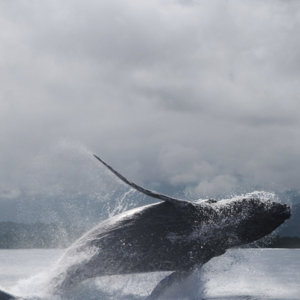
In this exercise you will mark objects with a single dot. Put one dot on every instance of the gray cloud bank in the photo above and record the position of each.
(203, 94)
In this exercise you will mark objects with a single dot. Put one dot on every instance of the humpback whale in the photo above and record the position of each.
(172, 235)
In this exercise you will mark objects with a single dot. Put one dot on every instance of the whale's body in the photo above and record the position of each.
(173, 235)
(165, 237)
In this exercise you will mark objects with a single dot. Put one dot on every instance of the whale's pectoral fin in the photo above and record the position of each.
(164, 284)
(145, 191)
(6, 296)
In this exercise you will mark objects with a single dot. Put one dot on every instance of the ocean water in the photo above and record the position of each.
(240, 274)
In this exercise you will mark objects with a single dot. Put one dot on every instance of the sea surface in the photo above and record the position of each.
(240, 274)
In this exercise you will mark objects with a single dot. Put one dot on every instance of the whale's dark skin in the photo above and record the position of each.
(6, 296)
(173, 235)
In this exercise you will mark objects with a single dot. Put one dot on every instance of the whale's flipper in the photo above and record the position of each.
(6, 296)
(164, 284)
(143, 190)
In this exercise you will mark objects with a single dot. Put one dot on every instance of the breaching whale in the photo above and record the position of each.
(173, 235)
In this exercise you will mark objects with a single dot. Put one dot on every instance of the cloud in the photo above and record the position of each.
(203, 95)
(220, 185)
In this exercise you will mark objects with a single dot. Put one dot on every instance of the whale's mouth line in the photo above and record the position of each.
(283, 211)
(288, 211)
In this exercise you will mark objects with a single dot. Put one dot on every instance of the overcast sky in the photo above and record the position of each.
(188, 93)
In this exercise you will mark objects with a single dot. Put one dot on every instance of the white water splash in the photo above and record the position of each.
(238, 275)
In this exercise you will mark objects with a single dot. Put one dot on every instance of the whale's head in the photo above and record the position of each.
(253, 218)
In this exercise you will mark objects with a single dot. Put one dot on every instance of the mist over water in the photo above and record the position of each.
(66, 184)
(239, 274)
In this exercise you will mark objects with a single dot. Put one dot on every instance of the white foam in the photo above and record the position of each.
(239, 274)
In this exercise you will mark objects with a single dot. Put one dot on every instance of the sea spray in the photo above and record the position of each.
(238, 274)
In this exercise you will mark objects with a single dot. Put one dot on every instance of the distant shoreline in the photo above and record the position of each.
(283, 242)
